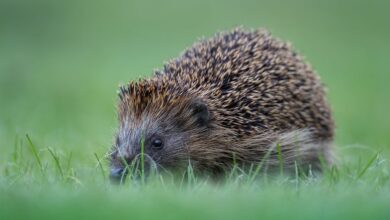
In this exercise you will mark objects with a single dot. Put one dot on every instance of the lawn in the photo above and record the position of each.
(60, 66)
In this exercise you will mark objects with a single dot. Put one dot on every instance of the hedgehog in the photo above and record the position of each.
(239, 98)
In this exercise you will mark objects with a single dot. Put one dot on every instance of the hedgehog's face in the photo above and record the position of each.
(160, 133)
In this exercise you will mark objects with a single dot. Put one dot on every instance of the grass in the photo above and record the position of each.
(356, 188)
(60, 66)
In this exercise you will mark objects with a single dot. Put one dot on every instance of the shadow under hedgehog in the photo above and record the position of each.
(226, 100)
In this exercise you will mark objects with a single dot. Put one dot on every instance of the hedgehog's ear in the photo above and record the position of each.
(200, 112)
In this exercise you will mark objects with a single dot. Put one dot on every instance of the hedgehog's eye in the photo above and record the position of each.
(157, 144)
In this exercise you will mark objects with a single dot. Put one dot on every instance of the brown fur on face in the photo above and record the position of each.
(238, 94)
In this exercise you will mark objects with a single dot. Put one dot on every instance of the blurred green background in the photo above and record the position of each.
(61, 61)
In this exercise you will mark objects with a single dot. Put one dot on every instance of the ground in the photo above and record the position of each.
(61, 63)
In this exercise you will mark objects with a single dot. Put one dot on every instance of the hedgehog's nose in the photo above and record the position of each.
(117, 175)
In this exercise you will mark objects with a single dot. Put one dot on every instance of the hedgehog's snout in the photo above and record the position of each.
(133, 168)
(119, 168)
(117, 174)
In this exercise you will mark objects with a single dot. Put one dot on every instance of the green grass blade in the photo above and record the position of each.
(296, 175)
(128, 168)
(34, 152)
(190, 174)
(280, 159)
(261, 164)
(364, 170)
(101, 166)
(68, 163)
(143, 159)
(57, 162)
